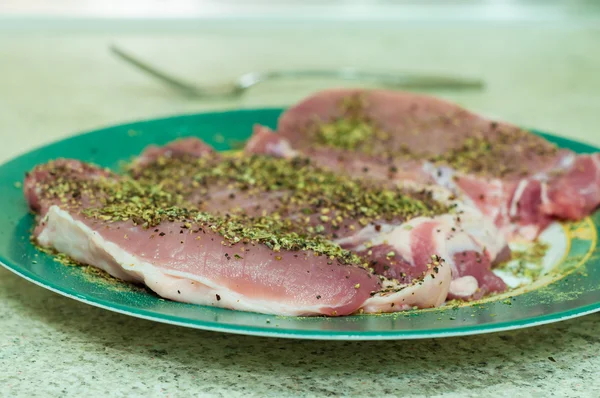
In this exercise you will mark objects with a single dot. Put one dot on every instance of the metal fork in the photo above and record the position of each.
(248, 80)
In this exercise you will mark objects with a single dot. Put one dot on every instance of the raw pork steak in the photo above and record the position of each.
(391, 233)
(263, 234)
(516, 178)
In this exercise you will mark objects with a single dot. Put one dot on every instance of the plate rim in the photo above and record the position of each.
(318, 334)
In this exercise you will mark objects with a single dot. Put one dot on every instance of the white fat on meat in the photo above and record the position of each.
(85, 245)
(478, 226)
(429, 292)
(514, 205)
(282, 148)
(77, 240)
(448, 243)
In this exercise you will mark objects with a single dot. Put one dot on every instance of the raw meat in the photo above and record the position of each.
(518, 179)
(141, 234)
(464, 237)
(187, 246)
(361, 201)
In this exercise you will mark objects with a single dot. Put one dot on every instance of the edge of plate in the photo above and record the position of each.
(332, 335)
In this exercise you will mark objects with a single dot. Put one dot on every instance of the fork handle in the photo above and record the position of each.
(392, 79)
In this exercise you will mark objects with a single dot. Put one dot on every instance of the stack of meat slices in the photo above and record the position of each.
(336, 213)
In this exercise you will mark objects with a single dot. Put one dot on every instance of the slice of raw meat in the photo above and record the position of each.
(296, 190)
(516, 178)
(190, 146)
(141, 233)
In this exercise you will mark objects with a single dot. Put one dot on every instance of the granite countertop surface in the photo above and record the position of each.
(57, 83)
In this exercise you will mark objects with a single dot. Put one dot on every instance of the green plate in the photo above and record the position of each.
(571, 289)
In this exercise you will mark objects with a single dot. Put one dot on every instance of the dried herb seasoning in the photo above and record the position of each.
(485, 154)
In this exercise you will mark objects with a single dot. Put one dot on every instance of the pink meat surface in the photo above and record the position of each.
(411, 248)
(516, 178)
(184, 146)
(188, 259)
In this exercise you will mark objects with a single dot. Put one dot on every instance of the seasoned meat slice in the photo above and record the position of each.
(518, 179)
(363, 216)
(141, 233)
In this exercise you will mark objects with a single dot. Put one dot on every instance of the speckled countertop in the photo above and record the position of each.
(55, 84)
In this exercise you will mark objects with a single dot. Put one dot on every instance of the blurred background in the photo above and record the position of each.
(539, 60)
